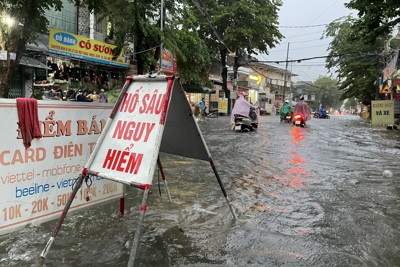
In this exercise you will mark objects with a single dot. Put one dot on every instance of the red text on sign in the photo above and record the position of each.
(122, 161)
(131, 130)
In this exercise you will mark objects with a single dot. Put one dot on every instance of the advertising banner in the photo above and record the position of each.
(80, 47)
(382, 112)
(168, 62)
(36, 182)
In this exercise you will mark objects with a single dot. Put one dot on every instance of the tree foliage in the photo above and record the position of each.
(139, 23)
(377, 17)
(237, 26)
(328, 94)
(357, 63)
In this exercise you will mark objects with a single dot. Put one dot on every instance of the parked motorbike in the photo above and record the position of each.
(324, 116)
(299, 121)
(212, 114)
(246, 124)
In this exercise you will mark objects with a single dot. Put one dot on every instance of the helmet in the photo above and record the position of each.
(287, 101)
(302, 97)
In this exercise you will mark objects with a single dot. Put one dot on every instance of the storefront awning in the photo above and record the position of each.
(194, 88)
(33, 63)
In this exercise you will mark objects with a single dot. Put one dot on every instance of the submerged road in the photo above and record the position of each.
(313, 196)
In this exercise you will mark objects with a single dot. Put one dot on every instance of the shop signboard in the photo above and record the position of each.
(36, 182)
(168, 62)
(80, 47)
(222, 106)
(382, 112)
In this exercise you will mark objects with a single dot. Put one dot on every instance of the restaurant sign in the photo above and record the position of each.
(80, 47)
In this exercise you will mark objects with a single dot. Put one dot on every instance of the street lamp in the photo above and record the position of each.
(9, 21)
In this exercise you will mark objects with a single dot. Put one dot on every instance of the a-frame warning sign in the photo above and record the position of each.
(151, 115)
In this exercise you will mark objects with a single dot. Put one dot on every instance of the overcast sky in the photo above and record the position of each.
(300, 22)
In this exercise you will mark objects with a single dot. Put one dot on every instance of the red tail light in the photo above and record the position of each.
(297, 117)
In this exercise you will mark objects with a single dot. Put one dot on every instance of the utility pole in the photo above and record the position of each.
(161, 28)
(287, 62)
(235, 78)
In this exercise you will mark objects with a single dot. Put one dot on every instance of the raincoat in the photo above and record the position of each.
(303, 109)
(242, 107)
(284, 110)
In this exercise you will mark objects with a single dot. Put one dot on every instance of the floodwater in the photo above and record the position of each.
(313, 196)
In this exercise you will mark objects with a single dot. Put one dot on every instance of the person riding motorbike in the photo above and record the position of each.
(302, 109)
(284, 110)
(322, 111)
(242, 107)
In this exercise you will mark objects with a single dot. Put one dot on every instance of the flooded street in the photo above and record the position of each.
(311, 196)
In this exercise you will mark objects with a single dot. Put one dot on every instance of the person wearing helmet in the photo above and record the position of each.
(302, 109)
(285, 110)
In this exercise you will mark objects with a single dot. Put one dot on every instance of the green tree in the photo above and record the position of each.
(328, 94)
(138, 22)
(238, 27)
(357, 63)
(377, 17)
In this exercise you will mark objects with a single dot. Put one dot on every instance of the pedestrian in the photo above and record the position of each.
(202, 106)
(103, 96)
(302, 109)
(93, 97)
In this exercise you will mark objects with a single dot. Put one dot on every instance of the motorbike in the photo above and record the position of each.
(324, 116)
(299, 121)
(246, 124)
(288, 117)
(212, 114)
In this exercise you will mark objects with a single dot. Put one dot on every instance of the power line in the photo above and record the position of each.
(304, 26)
(304, 59)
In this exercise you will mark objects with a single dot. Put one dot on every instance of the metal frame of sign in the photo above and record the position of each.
(151, 115)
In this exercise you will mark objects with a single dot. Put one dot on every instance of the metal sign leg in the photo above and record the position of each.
(135, 243)
(222, 188)
(163, 177)
(78, 185)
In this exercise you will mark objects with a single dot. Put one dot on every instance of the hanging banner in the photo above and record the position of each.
(168, 62)
(36, 182)
(80, 47)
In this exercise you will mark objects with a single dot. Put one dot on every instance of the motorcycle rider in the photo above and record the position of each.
(241, 107)
(322, 111)
(285, 109)
(302, 109)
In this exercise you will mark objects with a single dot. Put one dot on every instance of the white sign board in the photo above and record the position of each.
(37, 182)
(3, 55)
(153, 116)
(128, 153)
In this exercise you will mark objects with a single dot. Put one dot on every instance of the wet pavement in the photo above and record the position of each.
(313, 196)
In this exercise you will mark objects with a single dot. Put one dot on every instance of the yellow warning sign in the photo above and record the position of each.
(385, 90)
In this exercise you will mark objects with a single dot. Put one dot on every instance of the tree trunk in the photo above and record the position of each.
(224, 76)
